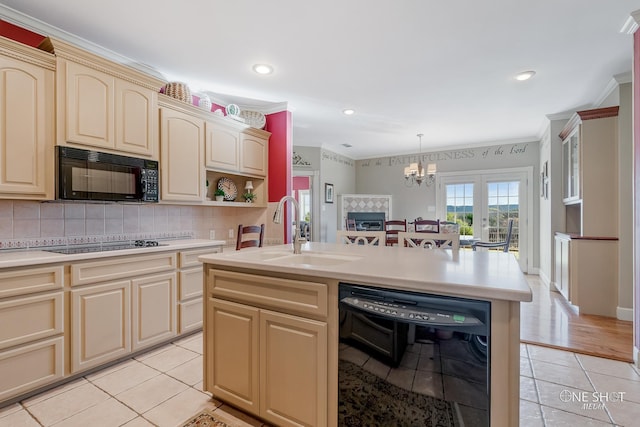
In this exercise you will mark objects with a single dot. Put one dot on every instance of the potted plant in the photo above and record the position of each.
(219, 194)
(248, 197)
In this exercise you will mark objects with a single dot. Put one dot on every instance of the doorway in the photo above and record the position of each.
(306, 191)
(482, 202)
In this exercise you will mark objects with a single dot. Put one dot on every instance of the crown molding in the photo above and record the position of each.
(40, 27)
(613, 84)
(631, 24)
(271, 108)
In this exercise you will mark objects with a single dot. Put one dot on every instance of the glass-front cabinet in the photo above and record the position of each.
(571, 167)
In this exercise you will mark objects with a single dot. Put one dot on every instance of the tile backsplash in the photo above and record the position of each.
(26, 224)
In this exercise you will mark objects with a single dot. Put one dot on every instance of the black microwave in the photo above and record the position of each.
(96, 176)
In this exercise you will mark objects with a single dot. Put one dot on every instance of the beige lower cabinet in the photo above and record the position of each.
(153, 309)
(262, 354)
(293, 370)
(120, 305)
(31, 336)
(586, 273)
(100, 324)
(190, 289)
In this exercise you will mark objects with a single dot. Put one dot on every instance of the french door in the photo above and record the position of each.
(482, 204)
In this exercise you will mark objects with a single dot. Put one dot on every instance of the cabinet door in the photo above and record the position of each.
(293, 357)
(136, 119)
(222, 147)
(571, 167)
(253, 155)
(89, 106)
(181, 158)
(153, 305)
(232, 367)
(26, 140)
(100, 324)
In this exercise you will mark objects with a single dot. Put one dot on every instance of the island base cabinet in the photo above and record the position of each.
(233, 365)
(270, 364)
(100, 324)
(293, 370)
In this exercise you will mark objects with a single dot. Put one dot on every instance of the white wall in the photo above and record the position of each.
(340, 171)
(552, 214)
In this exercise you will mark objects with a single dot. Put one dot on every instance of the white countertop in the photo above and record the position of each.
(482, 275)
(27, 257)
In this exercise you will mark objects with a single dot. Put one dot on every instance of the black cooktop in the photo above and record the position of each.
(116, 246)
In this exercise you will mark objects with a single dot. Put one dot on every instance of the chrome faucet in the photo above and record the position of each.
(277, 218)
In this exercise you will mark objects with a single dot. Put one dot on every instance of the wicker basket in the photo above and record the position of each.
(178, 90)
(254, 118)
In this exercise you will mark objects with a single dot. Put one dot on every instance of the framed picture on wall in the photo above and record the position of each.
(328, 193)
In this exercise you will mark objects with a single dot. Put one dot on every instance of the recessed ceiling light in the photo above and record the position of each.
(263, 69)
(525, 75)
(348, 111)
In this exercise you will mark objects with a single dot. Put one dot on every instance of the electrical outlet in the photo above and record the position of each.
(231, 233)
(212, 234)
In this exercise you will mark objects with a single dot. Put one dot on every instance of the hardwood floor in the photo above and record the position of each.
(550, 321)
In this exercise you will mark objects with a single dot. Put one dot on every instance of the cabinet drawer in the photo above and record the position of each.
(30, 366)
(190, 258)
(190, 316)
(31, 318)
(190, 284)
(290, 295)
(121, 267)
(24, 281)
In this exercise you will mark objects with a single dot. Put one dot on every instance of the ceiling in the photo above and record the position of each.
(445, 69)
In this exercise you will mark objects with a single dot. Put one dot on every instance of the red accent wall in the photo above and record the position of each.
(636, 183)
(20, 34)
(280, 160)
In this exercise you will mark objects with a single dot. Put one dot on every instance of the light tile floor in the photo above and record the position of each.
(164, 388)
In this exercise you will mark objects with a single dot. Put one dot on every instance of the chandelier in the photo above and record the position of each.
(415, 174)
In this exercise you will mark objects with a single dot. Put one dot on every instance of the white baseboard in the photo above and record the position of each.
(624, 314)
(544, 278)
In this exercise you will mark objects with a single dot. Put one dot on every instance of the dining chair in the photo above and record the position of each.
(253, 240)
(491, 245)
(426, 225)
(350, 224)
(432, 241)
(392, 228)
(369, 238)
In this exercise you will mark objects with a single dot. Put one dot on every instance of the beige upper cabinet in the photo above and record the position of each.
(27, 105)
(89, 107)
(136, 119)
(182, 156)
(237, 149)
(590, 172)
(223, 147)
(104, 105)
(253, 155)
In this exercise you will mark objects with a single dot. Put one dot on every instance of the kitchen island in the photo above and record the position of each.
(271, 324)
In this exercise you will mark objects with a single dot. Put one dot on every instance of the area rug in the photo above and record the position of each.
(365, 400)
(204, 419)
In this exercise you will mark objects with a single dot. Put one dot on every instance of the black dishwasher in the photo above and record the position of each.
(412, 359)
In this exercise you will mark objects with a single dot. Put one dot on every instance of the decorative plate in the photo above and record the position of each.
(229, 188)
(254, 118)
(233, 110)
